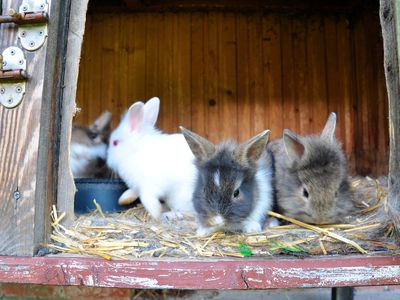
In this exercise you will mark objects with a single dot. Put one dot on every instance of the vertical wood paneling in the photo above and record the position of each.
(332, 69)
(227, 94)
(166, 119)
(366, 97)
(108, 67)
(256, 75)
(288, 75)
(211, 76)
(123, 69)
(272, 62)
(198, 98)
(231, 75)
(347, 88)
(245, 104)
(301, 112)
(137, 60)
(182, 72)
(153, 24)
(316, 58)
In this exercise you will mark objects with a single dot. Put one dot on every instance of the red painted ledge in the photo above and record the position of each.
(199, 274)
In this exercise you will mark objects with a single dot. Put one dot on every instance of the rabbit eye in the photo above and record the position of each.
(93, 135)
(305, 193)
(115, 142)
(236, 193)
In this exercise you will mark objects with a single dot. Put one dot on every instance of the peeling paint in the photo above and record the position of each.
(213, 278)
(90, 280)
(337, 276)
(4, 268)
(209, 274)
(21, 268)
(254, 280)
(257, 270)
(133, 281)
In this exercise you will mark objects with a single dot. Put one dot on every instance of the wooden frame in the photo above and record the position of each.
(76, 29)
(224, 274)
(390, 22)
(28, 140)
(33, 167)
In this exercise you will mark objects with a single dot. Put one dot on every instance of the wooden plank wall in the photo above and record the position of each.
(27, 142)
(231, 75)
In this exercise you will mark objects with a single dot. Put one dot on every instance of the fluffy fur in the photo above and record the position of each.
(310, 179)
(154, 165)
(89, 148)
(233, 189)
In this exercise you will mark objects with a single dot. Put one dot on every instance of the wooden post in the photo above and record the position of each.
(66, 186)
(390, 21)
(28, 139)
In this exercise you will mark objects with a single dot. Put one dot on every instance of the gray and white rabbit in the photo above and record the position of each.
(154, 165)
(89, 148)
(233, 189)
(311, 181)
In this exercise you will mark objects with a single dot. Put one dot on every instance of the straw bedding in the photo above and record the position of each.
(133, 234)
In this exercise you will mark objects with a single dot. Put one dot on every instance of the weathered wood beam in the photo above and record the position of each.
(66, 186)
(232, 5)
(261, 273)
(390, 21)
(28, 141)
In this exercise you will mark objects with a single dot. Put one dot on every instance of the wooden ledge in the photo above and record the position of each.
(205, 274)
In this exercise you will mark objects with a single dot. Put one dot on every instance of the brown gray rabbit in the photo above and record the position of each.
(89, 148)
(311, 181)
(233, 189)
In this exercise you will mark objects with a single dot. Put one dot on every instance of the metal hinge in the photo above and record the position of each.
(32, 19)
(12, 77)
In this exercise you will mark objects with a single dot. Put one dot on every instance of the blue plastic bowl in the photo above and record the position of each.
(105, 191)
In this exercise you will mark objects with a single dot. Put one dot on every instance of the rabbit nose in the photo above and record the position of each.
(115, 142)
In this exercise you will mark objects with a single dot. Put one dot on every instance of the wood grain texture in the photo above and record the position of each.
(65, 184)
(27, 145)
(287, 6)
(204, 274)
(389, 16)
(232, 74)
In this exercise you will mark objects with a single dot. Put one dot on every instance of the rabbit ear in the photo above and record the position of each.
(328, 133)
(250, 151)
(293, 146)
(102, 123)
(201, 147)
(136, 115)
(151, 109)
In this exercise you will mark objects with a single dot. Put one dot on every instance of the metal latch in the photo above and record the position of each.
(32, 19)
(12, 77)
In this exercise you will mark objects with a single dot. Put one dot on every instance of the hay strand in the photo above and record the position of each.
(133, 234)
(318, 229)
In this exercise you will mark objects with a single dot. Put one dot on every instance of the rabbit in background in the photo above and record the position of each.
(233, 189)
(154, 165)
(311, 181)
(89, 148)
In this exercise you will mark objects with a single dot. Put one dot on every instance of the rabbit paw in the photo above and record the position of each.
(252, 227)
(204, 231)
(272, 222)
(127, 197)
(171, 215)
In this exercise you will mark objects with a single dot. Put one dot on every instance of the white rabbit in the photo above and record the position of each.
(153, 164)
